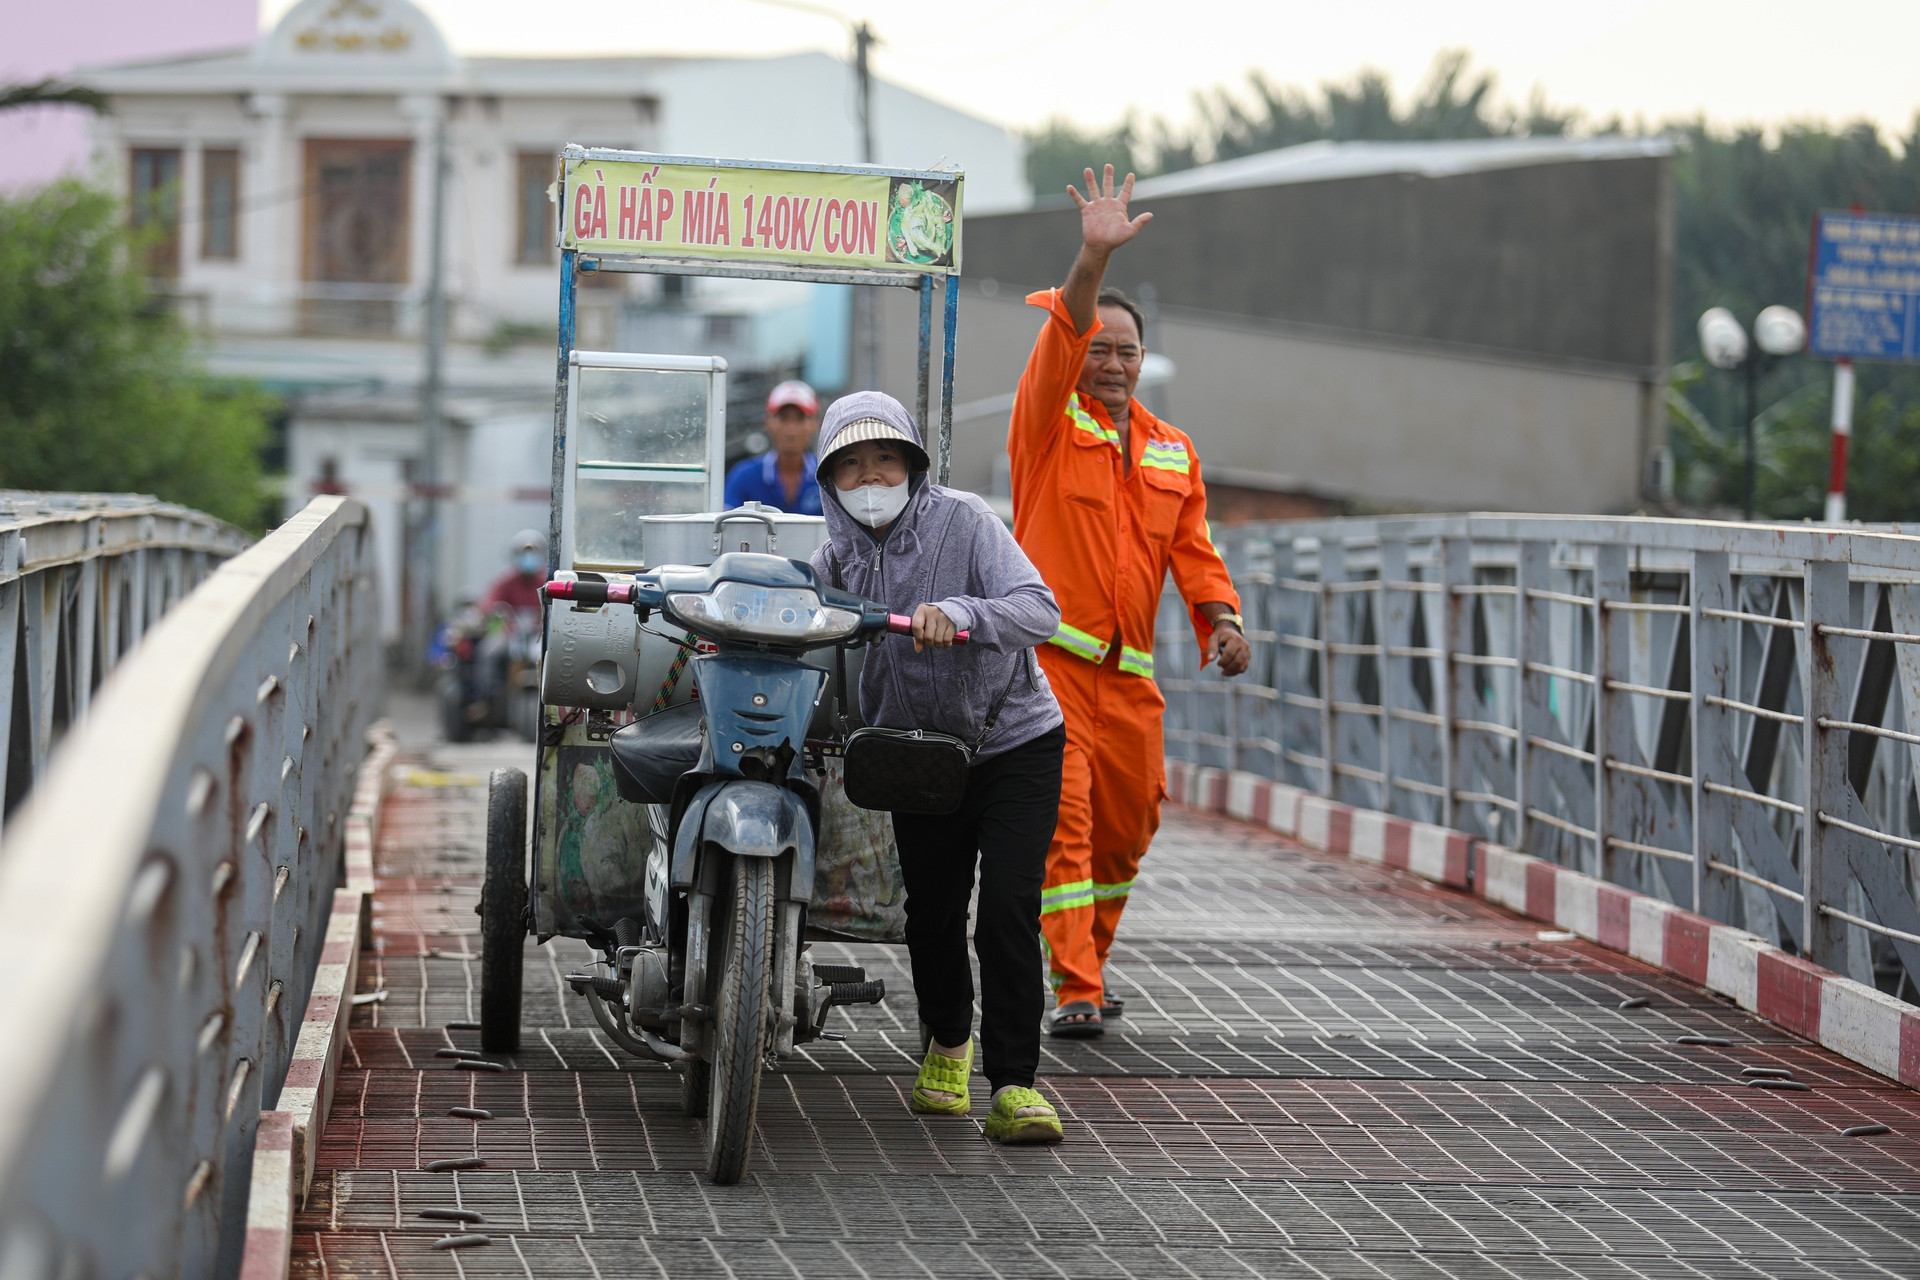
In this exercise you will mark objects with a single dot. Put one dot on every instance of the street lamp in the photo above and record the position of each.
(1778, 332)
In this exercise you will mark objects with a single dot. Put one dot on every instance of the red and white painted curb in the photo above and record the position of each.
(270, 1200)
(363, 818)
(1848, 1017)
(289, 1137)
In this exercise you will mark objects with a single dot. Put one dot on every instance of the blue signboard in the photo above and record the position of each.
(1864, 291)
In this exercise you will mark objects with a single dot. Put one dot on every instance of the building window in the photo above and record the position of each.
(156, 207)
(533, 245)
(220, 204)
(357, 234)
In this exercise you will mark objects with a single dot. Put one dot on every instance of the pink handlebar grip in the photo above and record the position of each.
(901, 625)
(590, 593)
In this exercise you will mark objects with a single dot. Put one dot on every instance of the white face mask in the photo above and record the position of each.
(875, 504)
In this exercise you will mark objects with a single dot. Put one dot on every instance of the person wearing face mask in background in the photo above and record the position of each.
(519, 587)
(942, 555)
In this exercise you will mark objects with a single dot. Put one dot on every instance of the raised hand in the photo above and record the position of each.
(1104, 225)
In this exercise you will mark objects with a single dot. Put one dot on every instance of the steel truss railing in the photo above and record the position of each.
(82, 577)
(1696, 710)
(163, 902)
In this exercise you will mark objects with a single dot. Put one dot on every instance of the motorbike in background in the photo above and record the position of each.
(489, 665)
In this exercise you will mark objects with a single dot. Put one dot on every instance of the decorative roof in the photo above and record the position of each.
(388, 34)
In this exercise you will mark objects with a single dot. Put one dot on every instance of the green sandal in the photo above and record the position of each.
(944, 1075)
(1006, 1124)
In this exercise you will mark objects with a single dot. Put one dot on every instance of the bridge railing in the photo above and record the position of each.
(82, 577)
(1726, 716)
(163, 902)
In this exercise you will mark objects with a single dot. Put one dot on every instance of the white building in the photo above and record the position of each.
(293, 184)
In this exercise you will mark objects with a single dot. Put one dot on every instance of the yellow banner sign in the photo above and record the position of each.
(795, 218)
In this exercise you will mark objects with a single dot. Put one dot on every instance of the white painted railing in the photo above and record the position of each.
(163, 900)
(1724, 715)
(82, 577)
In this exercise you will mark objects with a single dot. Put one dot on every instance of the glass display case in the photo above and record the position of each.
(646, 436)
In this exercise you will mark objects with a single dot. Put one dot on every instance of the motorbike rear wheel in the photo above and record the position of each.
(503, 909)
(743, 955)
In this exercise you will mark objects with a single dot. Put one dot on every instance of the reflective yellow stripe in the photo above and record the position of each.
(1136, 663)
(1054, 977)
(1167, 455)
(1102, 891)
(1080, 644)
(1065, 897)
(1086, 422)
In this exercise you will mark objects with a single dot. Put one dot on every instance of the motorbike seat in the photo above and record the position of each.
(650, 754)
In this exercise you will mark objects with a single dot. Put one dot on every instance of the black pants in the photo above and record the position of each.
(1007, 819)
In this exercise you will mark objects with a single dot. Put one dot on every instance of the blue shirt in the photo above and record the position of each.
(758, 480)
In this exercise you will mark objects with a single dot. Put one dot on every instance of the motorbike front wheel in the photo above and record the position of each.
(743, 957)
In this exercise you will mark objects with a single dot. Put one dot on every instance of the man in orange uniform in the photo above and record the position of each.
(1106, 499)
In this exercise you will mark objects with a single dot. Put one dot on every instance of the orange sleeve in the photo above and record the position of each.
(1053, 370)
(1198, 571)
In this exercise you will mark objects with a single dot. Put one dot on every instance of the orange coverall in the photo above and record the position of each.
(1103, 535)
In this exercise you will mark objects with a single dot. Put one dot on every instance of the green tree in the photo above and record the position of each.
(1743, 217)
(98, 388)
(1059, 153)
(1453, 101)
(1744, 201)
(42, 93)
(1743, 210)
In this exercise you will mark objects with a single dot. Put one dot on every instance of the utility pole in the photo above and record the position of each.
(866, 302)
(863, 40)
(432, 395)
(865, 372)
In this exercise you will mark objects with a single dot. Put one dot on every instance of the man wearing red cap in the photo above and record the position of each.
(782, 476)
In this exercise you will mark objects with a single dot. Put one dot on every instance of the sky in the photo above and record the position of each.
(1021, 62)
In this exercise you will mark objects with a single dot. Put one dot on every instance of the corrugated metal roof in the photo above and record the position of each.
(1327, 161)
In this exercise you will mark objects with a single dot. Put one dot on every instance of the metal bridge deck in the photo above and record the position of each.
(1325, 1070)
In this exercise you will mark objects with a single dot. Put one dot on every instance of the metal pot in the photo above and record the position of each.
(699, 538)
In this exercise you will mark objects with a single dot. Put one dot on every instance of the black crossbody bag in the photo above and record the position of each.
(911, 770)
(914, 770)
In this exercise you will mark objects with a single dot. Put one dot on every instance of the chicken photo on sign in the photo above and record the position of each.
(920, 222)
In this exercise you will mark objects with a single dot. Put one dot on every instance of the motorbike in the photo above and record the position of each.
(489, 673)
(711, 974)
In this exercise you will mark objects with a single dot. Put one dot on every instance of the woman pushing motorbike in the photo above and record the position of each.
(900, 539)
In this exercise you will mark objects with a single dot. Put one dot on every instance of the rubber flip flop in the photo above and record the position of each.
(943, 1075)
(1006, 1124)
(1076, 1020)
(1112, 1009)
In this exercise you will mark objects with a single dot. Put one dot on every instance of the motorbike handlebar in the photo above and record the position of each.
(900, 624)
(592, 594)
(595, 594)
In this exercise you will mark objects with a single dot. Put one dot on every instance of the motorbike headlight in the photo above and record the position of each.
(770, 615)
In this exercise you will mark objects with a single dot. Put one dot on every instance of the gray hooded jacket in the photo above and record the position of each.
(947, 548)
